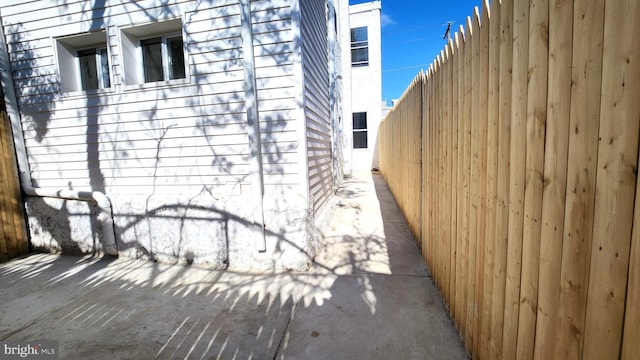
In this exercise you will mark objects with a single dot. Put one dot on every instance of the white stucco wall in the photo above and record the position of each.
(365, 85)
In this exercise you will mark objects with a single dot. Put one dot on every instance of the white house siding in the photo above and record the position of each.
(173, 157)
(286, 202)
(315, 60)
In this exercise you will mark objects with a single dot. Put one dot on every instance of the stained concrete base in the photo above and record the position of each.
(369, 296)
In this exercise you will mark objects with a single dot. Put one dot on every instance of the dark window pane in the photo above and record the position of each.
(88, 69)
(359, 139)
(104, 67)
(359, 34)
(176, 58)
(360, 121)
(359, 47)
(360, 57)
(152, 59)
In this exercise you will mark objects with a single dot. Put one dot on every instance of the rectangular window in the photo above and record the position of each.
(83, 62)
(175, 57)
(359, 47)
(94, 68)
(162, 58)
(152, 59)
(153, 52)
(360, 130)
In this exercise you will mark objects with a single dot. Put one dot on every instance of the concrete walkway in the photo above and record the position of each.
(369, 296)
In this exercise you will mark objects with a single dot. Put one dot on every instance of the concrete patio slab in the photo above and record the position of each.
(368, 296)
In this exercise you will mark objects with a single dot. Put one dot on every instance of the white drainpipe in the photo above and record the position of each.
(106, 214)
(253, 128)
(105, 217)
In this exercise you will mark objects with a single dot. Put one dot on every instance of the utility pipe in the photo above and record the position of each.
(253, 125)
(105, 217)
(106, 214)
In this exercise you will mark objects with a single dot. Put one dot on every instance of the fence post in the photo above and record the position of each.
(13, 240)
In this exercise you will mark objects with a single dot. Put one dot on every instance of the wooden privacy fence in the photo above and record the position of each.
(13, 238)
(515, 161)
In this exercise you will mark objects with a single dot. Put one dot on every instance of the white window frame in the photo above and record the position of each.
(358, 46)
(99, 71)
(68, 62)
(132, 59)
(364, 130)
(166, 70)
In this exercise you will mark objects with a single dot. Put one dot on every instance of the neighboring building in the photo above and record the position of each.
(203, 130)
(363, 112)
(385, 108)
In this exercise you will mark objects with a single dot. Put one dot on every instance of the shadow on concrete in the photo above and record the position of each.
(369, 296)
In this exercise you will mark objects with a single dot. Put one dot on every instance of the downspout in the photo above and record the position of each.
(106, 215)
(253, 126)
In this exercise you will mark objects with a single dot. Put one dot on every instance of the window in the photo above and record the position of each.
(153, 52)
(83, 62)
(360, 130)
(163, 58)
(94, 68)
(359, 47)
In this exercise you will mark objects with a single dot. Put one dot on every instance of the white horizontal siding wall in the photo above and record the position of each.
(273, 50)
(131, 138)
(173, 157)
(282, 127)
(315, 60)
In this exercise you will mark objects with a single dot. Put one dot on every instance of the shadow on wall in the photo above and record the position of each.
(157, 144)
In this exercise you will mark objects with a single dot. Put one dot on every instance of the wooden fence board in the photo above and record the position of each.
(453, 92)
(11, 207)
(462, 179)
(615, 183)
(481, 94)
(6, 221)
(437, 161)
(446, 173)
(452, 77)
(535, 127)
(466, 190)
(517, 175)
(631, 55)
(555, 175)
(630, 343)
(493, 103)
(588, 20)
(426, 151)
(472, 305)
(502, 199)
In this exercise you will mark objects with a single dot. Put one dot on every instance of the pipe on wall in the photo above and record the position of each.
(253, 128)
(105, 217)
(106, 214)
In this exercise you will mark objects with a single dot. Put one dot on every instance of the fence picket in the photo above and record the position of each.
(517, 175)
(493, 83)
(555, 175)
(502, 200)
(615, 183)
(534, 163)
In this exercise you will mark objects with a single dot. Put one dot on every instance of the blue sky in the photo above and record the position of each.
(412, 37)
